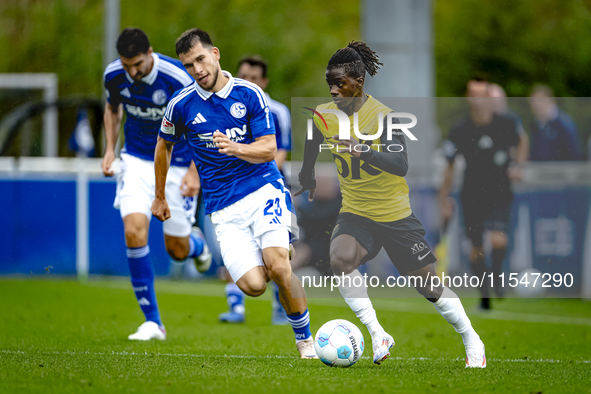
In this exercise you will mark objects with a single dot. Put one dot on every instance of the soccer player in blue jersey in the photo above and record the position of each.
(254, 69)
(141, 83)
(228, 126)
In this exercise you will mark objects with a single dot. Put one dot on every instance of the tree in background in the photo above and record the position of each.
(65, 37)
(516, 42)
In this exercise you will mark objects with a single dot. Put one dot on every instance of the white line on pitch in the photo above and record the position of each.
(244, 356)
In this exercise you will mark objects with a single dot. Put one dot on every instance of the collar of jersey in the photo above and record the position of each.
(151, 77)
(222, 93)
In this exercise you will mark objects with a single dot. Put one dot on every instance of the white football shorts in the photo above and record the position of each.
(264, 218)
(135, 193)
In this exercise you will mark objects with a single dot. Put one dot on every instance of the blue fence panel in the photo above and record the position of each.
(39, 229)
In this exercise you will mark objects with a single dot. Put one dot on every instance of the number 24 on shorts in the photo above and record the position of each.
(269, 206)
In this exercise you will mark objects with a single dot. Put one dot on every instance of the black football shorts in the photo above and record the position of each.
(403, 240)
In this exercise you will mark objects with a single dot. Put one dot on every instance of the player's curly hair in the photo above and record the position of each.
(356, 58)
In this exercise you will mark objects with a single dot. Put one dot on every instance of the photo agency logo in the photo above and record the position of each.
(393, 127)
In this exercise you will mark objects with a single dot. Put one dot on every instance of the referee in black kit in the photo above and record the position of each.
(494, 147)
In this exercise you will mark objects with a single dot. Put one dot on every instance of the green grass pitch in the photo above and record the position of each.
(61, 336)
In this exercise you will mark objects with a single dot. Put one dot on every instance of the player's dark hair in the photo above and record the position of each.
(190, 38)
(356, 58)
(131, 42)
(255, 61)
(479, 77)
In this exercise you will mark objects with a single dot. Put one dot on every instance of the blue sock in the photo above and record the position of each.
(300, 325)
(277, 307)
(195, 246)
(142, 280)
(235, 298)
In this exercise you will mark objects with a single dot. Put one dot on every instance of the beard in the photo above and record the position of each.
(214, 80)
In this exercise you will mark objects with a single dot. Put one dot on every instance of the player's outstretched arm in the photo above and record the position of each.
(262, 150)
(112, 120)
(306, 176)
(162, 157)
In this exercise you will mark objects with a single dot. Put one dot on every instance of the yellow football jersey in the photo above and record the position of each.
(367, 191)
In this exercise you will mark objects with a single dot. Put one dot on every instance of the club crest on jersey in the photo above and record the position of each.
(238, 110)
(159, 97)
(485, 142)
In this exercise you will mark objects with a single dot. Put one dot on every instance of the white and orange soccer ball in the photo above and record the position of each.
(339, 343)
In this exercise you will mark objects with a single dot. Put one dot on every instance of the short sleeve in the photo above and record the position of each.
(450, 145)
(172, 127)
(113, 96)
(283, 128)
(515, 130)
(261, 121)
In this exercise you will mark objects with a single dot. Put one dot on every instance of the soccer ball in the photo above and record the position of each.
(339, 343)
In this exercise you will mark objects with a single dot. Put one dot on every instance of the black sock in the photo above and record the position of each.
(498, 255)
(479, 269)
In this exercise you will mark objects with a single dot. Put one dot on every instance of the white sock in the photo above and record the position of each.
(358, 300)
(450, 307)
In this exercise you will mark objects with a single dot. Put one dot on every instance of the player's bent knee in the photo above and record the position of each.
(136, 237)
(341, 264)
(253, 288)
(499, 240)
(177, 248)
(176, 254)
(253, 283)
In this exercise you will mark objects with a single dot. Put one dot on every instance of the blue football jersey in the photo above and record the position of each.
(240, 110)
(282, 120)
(145, 102)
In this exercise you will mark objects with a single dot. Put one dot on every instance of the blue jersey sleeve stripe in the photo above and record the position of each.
(258, 91)
(112, 69)
(176, 73)
(174, 101)
(284, 120)
(116, 65)
(282, 114)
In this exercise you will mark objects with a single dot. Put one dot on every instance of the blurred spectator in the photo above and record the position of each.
(499, 103)
(554, 135)
(499, 99)
(485, 139)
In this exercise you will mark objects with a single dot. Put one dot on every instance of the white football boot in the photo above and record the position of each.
(147, 331)
(203, 261)
(475, 357)
(306, 349)
(381, 343)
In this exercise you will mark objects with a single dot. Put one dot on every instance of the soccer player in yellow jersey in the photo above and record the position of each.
(376, 210)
